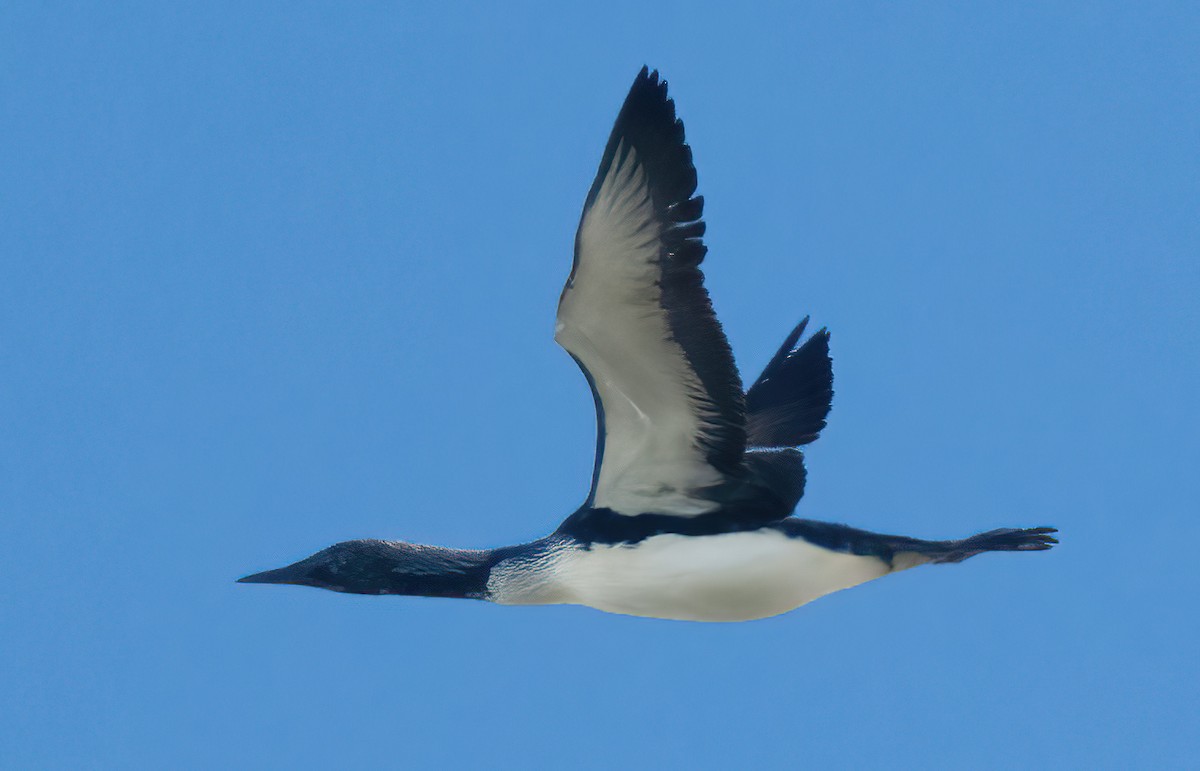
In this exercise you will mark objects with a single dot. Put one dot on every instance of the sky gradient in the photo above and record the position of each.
(278, 275)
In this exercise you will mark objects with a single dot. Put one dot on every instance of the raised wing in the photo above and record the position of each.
(788, 404)
(636, 317)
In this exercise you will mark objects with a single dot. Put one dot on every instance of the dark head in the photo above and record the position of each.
(387, 567)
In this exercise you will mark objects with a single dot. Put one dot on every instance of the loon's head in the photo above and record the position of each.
(386, 567)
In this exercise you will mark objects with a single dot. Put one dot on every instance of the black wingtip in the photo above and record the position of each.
(649, 76)
(786, 349)
(789, 402)
(649, 84)
(789, 344)
(647, 122)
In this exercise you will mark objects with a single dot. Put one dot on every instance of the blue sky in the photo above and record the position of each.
(278, 275)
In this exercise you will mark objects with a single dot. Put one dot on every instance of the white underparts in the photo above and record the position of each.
(726, 577)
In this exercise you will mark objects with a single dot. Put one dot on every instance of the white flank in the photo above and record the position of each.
(728, 577)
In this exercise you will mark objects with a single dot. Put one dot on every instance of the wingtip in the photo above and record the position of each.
(794, 337)
(646, 78)
(652, 84)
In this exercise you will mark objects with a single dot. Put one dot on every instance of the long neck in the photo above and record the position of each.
(415, 569)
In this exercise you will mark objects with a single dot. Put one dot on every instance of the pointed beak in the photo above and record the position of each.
(288, 575)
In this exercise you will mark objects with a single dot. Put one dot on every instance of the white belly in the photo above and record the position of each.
(728, 577)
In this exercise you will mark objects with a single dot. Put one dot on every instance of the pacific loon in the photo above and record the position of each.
(688, 516)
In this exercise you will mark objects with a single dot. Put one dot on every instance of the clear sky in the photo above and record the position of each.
(283, 274)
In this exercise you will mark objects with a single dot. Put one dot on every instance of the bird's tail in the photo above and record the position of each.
(905, 552)
(787, 405)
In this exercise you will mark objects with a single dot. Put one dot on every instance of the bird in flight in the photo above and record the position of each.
(688, 516)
